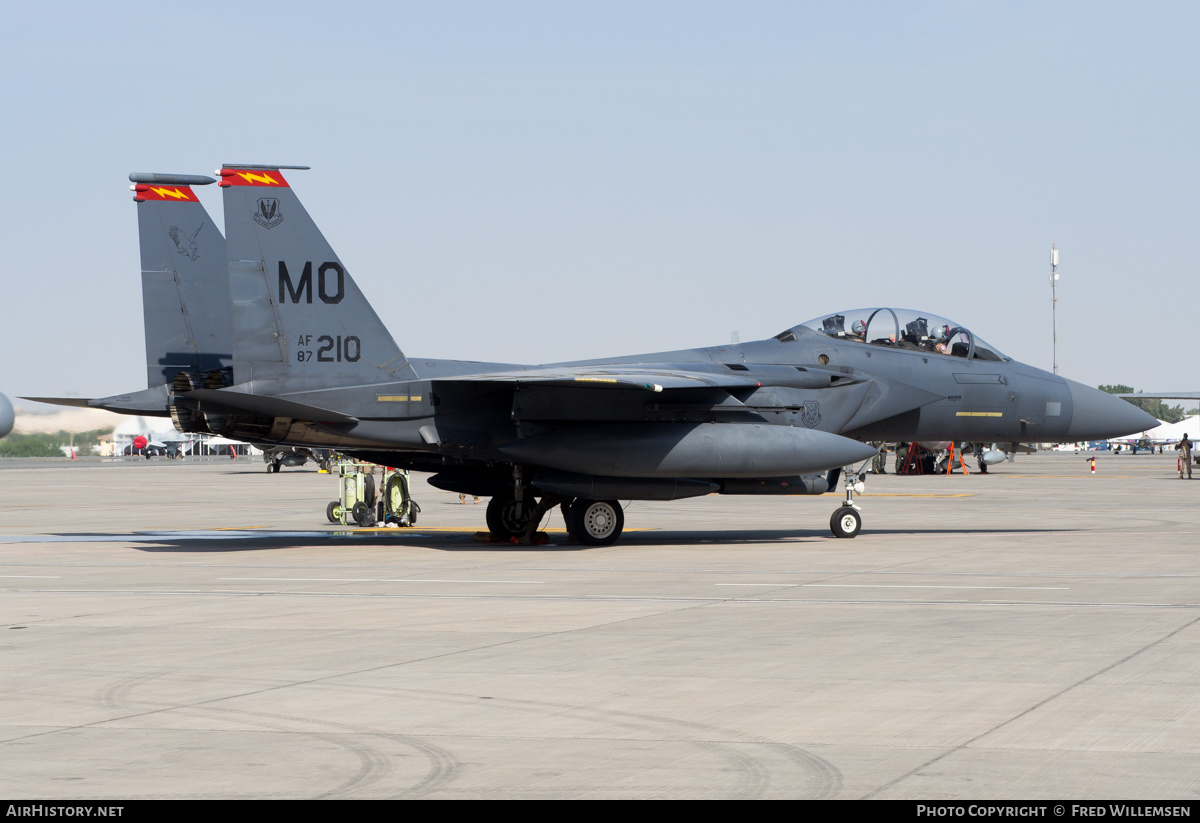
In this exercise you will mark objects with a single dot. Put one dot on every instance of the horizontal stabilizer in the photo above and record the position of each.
(81, 402)
(268, 406)
(150, 402)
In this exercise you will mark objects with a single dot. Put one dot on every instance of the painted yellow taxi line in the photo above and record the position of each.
(916, 495)
(1084, 473)
(455, 530)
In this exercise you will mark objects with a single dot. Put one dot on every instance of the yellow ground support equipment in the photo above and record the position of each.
(359, 501)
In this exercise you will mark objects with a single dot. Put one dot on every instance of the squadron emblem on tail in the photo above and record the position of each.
(267, 214)
(185, 244)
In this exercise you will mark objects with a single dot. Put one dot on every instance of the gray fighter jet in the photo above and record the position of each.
(313, 366)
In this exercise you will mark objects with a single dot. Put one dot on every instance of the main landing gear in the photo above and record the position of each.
(517, 514)
(846, 521)
(589, 522)
(514, 515)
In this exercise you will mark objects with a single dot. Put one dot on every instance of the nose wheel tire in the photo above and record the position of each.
(846, 522)
(596, 522)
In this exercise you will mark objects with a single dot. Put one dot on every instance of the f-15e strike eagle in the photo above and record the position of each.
(264, 336)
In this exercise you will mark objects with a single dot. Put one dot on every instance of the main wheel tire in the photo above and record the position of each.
(508, 518)
(334, 511)
(846, 522)
(596, 522)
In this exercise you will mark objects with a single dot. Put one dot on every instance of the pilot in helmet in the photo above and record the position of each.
(941, 339)
(859, 329)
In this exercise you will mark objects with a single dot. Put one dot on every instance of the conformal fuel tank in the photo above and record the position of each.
(688, 450)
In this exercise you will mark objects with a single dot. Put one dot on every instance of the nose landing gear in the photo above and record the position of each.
(846, 521)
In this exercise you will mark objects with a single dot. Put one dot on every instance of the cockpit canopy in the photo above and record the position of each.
(903, 329)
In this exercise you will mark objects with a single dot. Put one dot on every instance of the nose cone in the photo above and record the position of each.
(1098, 415)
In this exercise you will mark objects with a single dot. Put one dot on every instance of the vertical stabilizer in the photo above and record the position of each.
(185, 290)
(298, 316)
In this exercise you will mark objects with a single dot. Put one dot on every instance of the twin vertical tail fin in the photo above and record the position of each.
(185, 290)
(299, 321)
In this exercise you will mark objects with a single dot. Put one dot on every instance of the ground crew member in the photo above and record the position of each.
(1185, 456)
(978, 449)
(879, 463)
(901, 456)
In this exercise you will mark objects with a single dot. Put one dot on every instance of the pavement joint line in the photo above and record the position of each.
(598, 598)
(897, 565)
(329, 677)
(1032, 708)
(758, 584)
(373, 580)
(915, 586)
(651, 569)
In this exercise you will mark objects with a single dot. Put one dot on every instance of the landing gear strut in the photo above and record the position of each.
(846, 521)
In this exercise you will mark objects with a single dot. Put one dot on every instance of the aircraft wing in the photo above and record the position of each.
(640, 377)
(1179, 395)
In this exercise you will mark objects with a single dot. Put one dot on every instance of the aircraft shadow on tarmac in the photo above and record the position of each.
(217, 542)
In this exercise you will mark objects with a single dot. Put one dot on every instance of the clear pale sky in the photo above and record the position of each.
(533, 182)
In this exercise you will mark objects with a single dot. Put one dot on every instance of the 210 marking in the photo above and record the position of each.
(331, 349)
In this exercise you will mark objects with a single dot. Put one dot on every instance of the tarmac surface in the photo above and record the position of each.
(195, 629)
